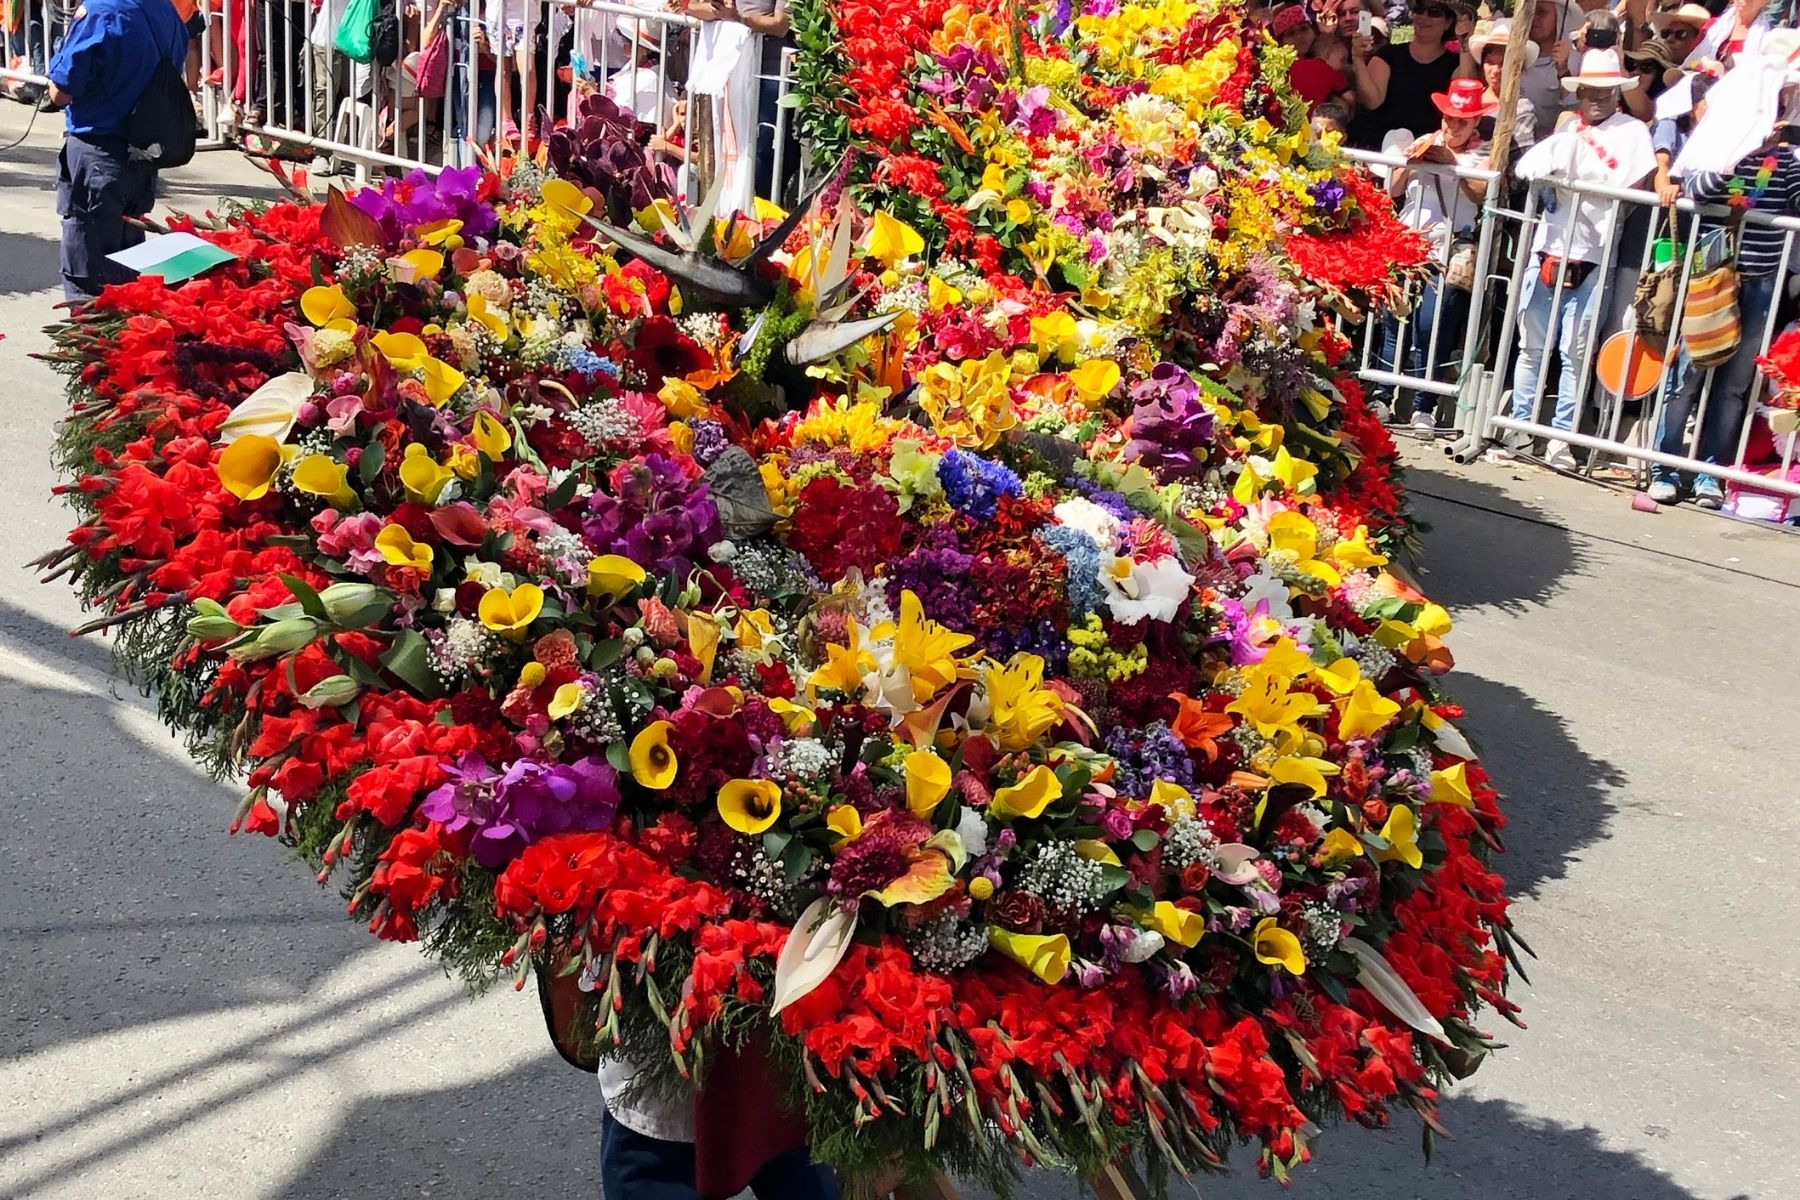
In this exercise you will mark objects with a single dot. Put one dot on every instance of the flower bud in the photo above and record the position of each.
(210, 624)
(355, 605)
(330, 692)
(278, 638)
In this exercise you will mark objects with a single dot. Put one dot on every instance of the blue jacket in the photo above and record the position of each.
(108, 57)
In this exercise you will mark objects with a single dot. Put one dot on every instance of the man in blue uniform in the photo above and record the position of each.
(105, 63)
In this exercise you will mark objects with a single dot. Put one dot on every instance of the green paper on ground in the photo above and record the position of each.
(173, 256)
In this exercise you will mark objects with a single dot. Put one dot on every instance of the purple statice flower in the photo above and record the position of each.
(937, 571)
(655, 515)
(401, 205)
(710, 441)
(974, 484)
(1170, 428)
(1042, 638)
(1147, 755)
(1105, 497)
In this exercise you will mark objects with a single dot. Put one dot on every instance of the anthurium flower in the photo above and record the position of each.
(398, 549)
(927, 782)
(1340, 845)
(1366, 711)
(1020, 707)
(1045, 955)
(1027, 798)
(1183, 926)
(845, 821)
(928, 873)
(747, 805)
(569, 698)
(249, 465)
(509, 612)
(653, 762)
(490, 436)
(323, 476)
(1401, 833)
(321, 305)
(423, 477)
(1451, 786)
(404, 351)
(891, 239)
(1277, 947)
(611, 576)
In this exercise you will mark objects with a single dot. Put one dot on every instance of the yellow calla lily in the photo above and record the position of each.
(940, 295)
(1296, 473)
(249, 465)
(891, 239)
(1180, 925)
(653, 762)
(1095, 379)
(1451, 786)
(1341, 676)
(657, 216)
(1365, 712)
(487, 316)
(511, 612)
(423, 477)
(613, 575)
(561, 195)
(441, 380)
(490, 436)
(796, 717)
(1172, 796)
(927, 782)
(404, 351)
(747, 805)
(1054, 336)
(1277, 947)
(323, 476)
(398, 549)
(441, 233)
(569, 698)
(1354, 552)
(1432, 621)
(322, 305)
(754, 630)
(1309, 773)
(1401, 833)
(844, 821)
(1045, 955)
(423, 264)
(1340, 845)
(1027, 798)
(1095, 850)
(703, 634)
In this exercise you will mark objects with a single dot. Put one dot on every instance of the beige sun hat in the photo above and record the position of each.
(1600, 69)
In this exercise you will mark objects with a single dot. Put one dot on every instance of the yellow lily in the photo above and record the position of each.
(1451, 786)
(925, 648)
(1296, 473)
(1401, 833)
(510, 613)
(1045, 955)
(1182, 926)
(613, 575)
(653, 764)
(844, 665)
(927, 782)
(249, 465)
(423, 477)
(1027, 798)
(322, 305)
(1277, 947)
(747, 805)
(399, 550)
(1267, 704)
(490, 436)
(891, 239)
(1365, 712)
(323, 476)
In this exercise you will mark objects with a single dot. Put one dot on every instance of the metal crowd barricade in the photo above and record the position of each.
(1598, 427)
(30, 31)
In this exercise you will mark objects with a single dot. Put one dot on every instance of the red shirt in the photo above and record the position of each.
(1316, 80)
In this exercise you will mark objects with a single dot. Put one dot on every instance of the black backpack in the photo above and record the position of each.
(160, 128)
(384, 34)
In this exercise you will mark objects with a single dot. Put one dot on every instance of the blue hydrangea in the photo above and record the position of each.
(1082, 558)
(588, 365)
(974, 484)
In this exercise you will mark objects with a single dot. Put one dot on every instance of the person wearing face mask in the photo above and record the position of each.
(1394, 87)
(1559, 304)
(1440, 206)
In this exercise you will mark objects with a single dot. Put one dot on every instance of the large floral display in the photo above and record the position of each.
(946, 633)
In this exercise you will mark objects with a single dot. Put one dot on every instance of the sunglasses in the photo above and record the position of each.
(1439, 11)
(1680, 33)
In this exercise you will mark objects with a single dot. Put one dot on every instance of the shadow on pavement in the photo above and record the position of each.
(1471, 559)
(30, 263)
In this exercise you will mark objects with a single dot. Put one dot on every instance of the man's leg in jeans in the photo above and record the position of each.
(1575, 334)
(1534, 345)
(1680, 390)
(794, 1176)
(636, 1167)
(1736, 381)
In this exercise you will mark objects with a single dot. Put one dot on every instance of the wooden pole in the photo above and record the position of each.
(1511, 68)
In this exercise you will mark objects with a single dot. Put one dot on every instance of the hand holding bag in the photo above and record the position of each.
(1654, 298)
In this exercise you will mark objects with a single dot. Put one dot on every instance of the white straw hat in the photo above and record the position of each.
(1600, 69)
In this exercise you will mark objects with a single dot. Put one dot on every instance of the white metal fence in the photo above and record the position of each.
(1633, 405)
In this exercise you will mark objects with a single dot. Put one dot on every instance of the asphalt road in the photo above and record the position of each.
(184, 1015)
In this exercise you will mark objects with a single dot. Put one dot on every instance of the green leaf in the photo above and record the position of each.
(374, 456)
(618, 756)
(1145, 840)
(563, 492)
(409, 659)
(775, 841)
(605, 654)
(796, 863)
(310, 604)
(1113, 878)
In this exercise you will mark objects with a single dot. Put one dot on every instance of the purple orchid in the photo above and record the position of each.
(1170, 428)
(530, 801)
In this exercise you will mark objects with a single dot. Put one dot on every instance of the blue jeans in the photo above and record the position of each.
(1428, 324)
(1572, 319)
(456, 97)
(636, 1167)
(1733, 385)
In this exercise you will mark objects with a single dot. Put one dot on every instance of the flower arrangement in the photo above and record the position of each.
(947, 631)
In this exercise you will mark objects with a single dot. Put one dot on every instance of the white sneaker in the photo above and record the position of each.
(1559, 456)
(1663, 492)
(1424, 426)
(321, 166)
